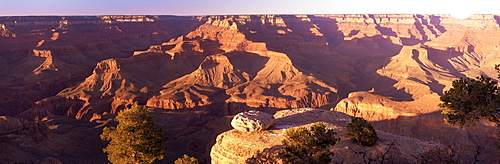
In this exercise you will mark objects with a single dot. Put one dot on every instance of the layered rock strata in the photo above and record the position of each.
(82, 67)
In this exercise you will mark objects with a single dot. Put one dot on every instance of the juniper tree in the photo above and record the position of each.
(134, 139)
(362, 132)
(470, 100)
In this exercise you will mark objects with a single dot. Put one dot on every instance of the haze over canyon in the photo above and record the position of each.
(64, 78)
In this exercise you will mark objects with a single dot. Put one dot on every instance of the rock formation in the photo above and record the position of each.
(234, 146)
(252, 121)
(372, 107)
(82, 67)
(284, 61)
(49, 54)
(401, 118)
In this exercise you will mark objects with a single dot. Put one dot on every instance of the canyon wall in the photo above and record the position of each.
(279, 61)
(389, 68)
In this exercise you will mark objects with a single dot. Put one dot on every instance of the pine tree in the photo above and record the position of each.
(470, 100)
(362, 132)
(134, 139)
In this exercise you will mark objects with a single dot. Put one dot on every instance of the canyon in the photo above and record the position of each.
(68, 76)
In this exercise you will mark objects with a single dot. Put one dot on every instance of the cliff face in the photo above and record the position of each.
(82, 67)
(282, 61)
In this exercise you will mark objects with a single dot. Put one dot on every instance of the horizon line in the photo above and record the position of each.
(237, 14)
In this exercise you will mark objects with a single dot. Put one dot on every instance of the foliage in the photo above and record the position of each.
(186, 159)
(362, 132)
(470, 100)
(266, 156)
(308, 146)
(134, 139)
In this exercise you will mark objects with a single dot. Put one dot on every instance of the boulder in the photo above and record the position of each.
(252, 121)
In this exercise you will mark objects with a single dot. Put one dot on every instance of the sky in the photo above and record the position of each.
(458, 8)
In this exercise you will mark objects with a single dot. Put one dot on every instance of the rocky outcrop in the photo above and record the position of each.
(372, 107)
(422, 119)
(4, 32)
(252, 121)
(234, 146)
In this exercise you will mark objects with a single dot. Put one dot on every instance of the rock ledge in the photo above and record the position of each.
(252, 121)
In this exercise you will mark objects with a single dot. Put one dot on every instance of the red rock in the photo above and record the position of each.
(82, 67)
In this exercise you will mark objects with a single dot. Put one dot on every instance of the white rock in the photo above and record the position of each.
(252, 121)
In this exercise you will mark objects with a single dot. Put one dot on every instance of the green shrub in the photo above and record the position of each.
(186, 159)
(362, 132)
(308, 146)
